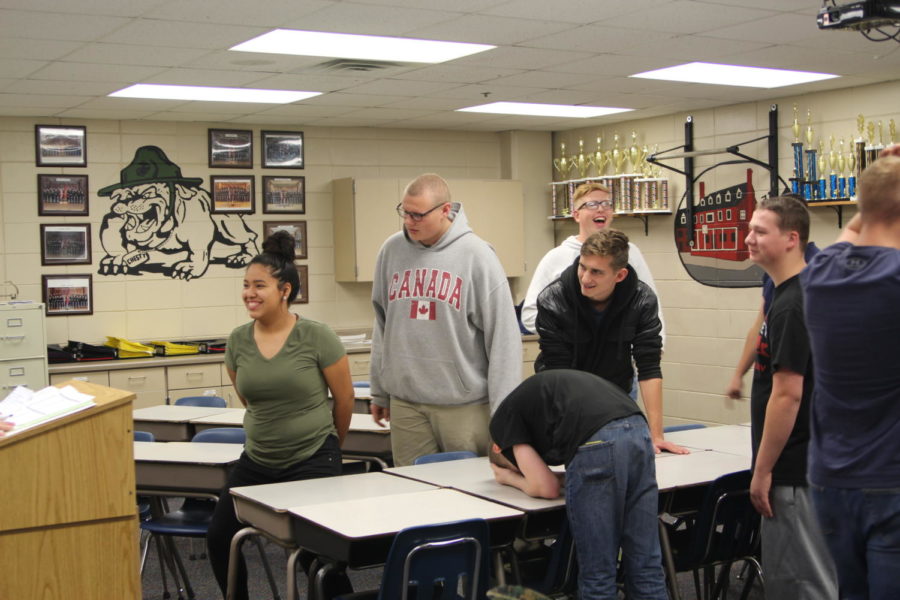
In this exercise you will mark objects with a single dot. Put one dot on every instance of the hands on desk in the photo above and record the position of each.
(5, 426)
(667, 446)
(380, 414)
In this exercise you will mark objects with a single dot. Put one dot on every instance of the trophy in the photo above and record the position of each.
(871, 149)
(832, 175)
(809, 186)
(618, 156)
(634, 153)
(859, 146)
(797, 147)
(892, 130)
(842, 179)
(563, 165)
(582, 162)
(851, 178)
(598, 159)
(821, 193)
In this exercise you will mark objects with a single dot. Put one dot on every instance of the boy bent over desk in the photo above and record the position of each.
(591, 426)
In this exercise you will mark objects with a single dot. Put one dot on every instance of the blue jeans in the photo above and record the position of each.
(611, 499)
(862, 530)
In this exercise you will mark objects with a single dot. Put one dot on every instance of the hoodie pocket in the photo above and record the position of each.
(424, 380)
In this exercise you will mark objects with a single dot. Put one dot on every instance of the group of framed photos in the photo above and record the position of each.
(236, 194)
(233, 149)
(67, 195)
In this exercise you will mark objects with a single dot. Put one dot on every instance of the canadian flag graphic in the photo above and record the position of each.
(422, 310)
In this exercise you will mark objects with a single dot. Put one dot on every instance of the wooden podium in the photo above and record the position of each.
(68, 517)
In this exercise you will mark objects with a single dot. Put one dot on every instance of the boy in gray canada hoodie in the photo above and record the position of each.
(446, 346)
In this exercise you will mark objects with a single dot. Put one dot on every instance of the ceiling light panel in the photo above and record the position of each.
(544, 110)
(346, 45)
(734, 75)
(211, 94)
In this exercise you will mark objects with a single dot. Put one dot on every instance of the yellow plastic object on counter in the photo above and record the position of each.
(129, 349)
(173, 349)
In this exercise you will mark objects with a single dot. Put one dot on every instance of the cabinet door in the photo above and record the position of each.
(364, 216)
(193, 376)
(359, 365)
(148, 384)
(98, 377)
(495, 210)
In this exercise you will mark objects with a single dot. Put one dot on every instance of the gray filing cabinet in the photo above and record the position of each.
(23, 346)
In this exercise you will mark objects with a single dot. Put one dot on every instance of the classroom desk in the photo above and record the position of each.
(359, 532)
(279, 511)
(700, 467)
(365, 440)
(183, 468)
(728, 439)
(171, 423)
(474, 476)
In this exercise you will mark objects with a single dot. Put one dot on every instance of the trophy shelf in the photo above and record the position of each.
(836, 205)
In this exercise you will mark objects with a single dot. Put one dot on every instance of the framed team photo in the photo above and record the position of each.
(62, 195)
(303, 293)
(68, 244)
(65, 295)
(297, 229)
(230, 148)
(60, 146)
(232, 194)
(282, 149)
(284, 195)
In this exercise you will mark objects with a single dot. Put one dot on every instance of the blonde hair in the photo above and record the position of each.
(586, 188)
(429, 183)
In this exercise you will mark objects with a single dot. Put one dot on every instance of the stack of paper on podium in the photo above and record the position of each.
(26, 408)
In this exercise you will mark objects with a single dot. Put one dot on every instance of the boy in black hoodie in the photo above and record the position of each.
(598, 317)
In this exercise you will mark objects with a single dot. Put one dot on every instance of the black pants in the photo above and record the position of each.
(326, 462)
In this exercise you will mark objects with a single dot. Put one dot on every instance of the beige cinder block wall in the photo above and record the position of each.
(151, 306)
(706, 326)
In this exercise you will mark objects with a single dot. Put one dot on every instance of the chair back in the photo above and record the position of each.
(144, 436)
(207, 401)
(728, 526)
(685, 427)
(438, 562)
(222, 435)
(444, 456)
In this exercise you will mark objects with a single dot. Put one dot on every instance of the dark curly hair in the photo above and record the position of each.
(278, 255)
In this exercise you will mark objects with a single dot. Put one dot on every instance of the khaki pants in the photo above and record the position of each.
(419, 429)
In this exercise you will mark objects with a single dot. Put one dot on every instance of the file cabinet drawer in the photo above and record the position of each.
(22, 333)
(193, 376)
(98, 377)
(359, 365)
(30, 372)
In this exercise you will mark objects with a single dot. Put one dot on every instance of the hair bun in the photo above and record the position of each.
(281, 244)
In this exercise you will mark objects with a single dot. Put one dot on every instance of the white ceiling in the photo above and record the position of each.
(60, 58)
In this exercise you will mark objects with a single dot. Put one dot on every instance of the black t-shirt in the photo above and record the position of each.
(556, 411)
(783, 344)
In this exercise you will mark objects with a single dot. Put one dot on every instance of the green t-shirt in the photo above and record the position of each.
(288, 416)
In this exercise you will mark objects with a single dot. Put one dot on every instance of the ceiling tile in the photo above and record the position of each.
(55, 26)
(182, 34)
(350, 17)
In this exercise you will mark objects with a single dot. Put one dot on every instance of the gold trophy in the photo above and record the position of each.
(797, 150)
(821, 188)
(634, 153)
(563, 164)
(582, 162)
(598, 159)
(892, 131)
(833, 174)
(842, 178)
(810, 185)
(618, 156)
(871, 149)
(859, 146)
(851, 178)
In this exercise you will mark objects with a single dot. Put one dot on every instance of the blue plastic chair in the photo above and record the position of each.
(143, 502)
(434, 562)
(208, 401)
(685, 427)
(360, 384)
(444, 456)
(192, 519)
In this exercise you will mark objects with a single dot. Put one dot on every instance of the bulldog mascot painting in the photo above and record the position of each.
(162, 222)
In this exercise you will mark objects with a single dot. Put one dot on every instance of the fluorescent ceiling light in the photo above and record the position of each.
(211, 94)
(543, 110)
(701, 72)
(345, 45)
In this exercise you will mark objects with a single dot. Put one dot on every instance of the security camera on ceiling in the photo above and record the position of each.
(864, 16)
